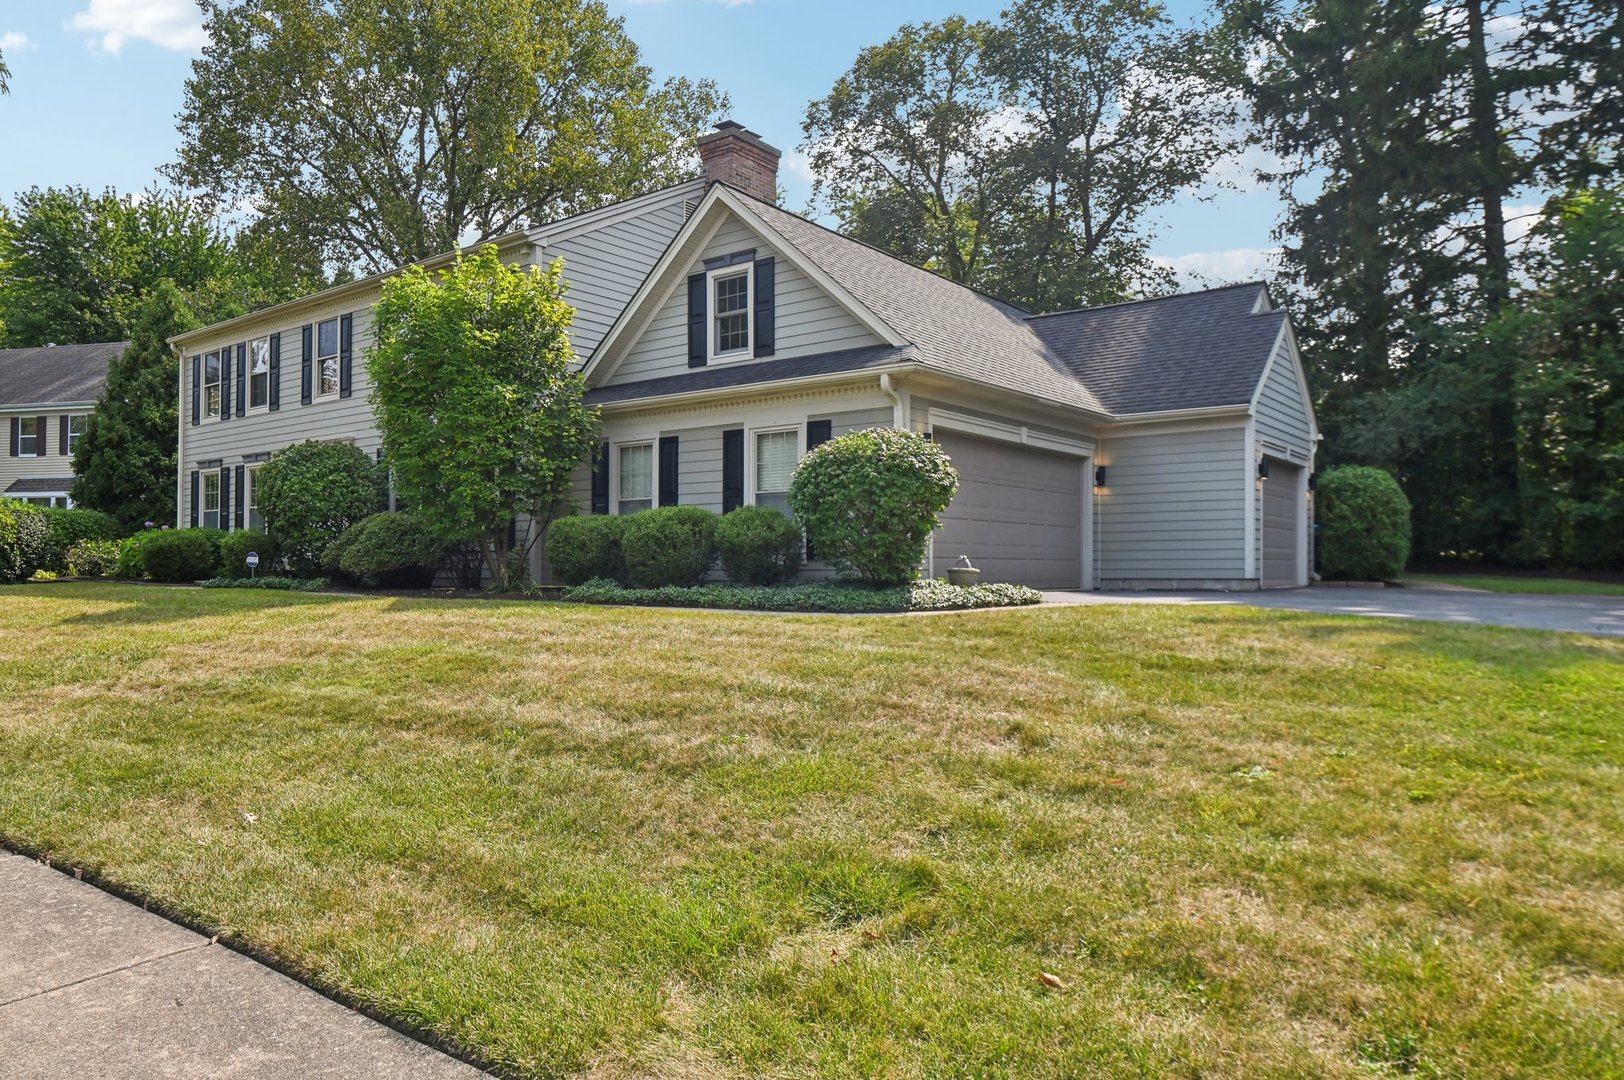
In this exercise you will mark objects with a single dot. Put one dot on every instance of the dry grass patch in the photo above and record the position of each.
(626, 843)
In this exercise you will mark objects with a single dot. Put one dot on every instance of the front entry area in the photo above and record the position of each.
(1018, 513)
(1283, 524)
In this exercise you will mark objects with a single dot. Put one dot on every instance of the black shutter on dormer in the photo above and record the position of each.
(197, 390)
(304, 364)
(818, 432)
(668, 470)
(765, 336)
(242, 378)
(346, 372)
(732, 469)
(276, 373)
(242, 492)
(600, 479)
(197, 494)
(696, 320)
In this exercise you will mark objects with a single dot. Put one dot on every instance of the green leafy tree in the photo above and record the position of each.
(477, 395)
(1025, 157)
(383, 131)
(124, 463)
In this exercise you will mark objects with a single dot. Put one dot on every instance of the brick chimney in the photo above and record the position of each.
(736, 156)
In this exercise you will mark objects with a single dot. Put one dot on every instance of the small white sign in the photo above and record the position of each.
(253, 559)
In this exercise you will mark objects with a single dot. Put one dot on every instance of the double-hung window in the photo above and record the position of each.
(250, 499)
(777, 454)
(28, 436)
(211, 384)
(327, 357)
(259, 373)
(76, 430)
(636, 480)
(210, 517)
(730, 312)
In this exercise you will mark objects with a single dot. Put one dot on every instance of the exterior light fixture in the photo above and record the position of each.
(1263, 469)
(1099, 476)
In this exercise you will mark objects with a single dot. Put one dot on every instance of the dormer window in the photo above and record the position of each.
(730, 311)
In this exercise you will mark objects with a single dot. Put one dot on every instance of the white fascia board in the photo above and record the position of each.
(613, 214)
(25, 408)
(1006, 432)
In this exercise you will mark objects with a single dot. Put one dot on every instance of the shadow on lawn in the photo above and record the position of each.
(136, 604)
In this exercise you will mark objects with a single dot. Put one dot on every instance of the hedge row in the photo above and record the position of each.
(830, 596)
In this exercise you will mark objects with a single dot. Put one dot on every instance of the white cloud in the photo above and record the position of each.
(171, 24)
(1203, 269)
(15, 41)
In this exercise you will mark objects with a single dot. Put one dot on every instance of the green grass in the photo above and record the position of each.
(629, 842)
(1549, 586)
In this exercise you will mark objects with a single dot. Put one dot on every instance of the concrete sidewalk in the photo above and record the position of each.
(91, 987)
(1601, 615)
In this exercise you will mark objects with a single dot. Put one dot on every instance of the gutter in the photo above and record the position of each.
(26, 406)
(627, 404)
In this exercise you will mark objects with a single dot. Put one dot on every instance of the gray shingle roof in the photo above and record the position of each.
(1191, 351)
(716, 378)
(50, 485)
(56, 373)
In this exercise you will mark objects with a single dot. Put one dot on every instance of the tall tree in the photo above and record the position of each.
(383, 131)
(1026, 157)
(5, 76)
(125, 461)
(479, 402)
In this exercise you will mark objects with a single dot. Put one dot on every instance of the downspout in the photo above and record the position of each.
(180, 437)
(897, 419)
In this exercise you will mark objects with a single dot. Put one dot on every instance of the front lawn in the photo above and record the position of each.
(691, 844)
(1506, 583)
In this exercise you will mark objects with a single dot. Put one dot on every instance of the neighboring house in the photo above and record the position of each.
(1165, 443)
(46, 396)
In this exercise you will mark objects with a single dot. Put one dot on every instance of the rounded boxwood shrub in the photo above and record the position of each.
(1364, 524)
(869, 500)
(669, 545)
(24, 539)
(234, 549)
(394, 550)
(309, 493)
(582, 547)
(759, 545)
(130, 563)
(182, 555)
(93, 558)
(66, 527)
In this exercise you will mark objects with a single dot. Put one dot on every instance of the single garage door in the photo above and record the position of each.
(1282, 525)
(1018, 513)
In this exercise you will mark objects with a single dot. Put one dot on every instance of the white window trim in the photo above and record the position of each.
(747, 271)
(316, 392)
(219, 384)
(249, 486)
(84, 419)
(203, 500)
(38, 431)
(248, 374)
(614, 472)
(750, 435)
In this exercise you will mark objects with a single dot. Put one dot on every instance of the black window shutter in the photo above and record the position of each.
(765, 273)
(197, 494)
(62, 443)
(242, 378)
(600, 479)
(304, 364)
(225, 383)
(668, 470)
(276, 373)
(345, 361)
(16, 436)
(242, 491)
(197, 390)
(818, 432)
(225, 498)
(696, 320)
(41, 426)
(732, 470)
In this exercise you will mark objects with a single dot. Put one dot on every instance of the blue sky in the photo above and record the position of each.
(96, 85)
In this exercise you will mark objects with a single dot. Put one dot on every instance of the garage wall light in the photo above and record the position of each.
(1263, 469)
(1099, 476)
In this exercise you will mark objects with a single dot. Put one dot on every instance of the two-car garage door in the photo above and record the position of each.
(1018, 513)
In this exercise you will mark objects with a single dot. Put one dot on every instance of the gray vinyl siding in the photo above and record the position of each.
(606, 266)
(699, 468)
(807, 320)
(841, 423)
(1174, 506)
(1282, 412)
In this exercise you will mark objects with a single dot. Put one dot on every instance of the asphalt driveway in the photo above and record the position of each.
(1576, 614)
